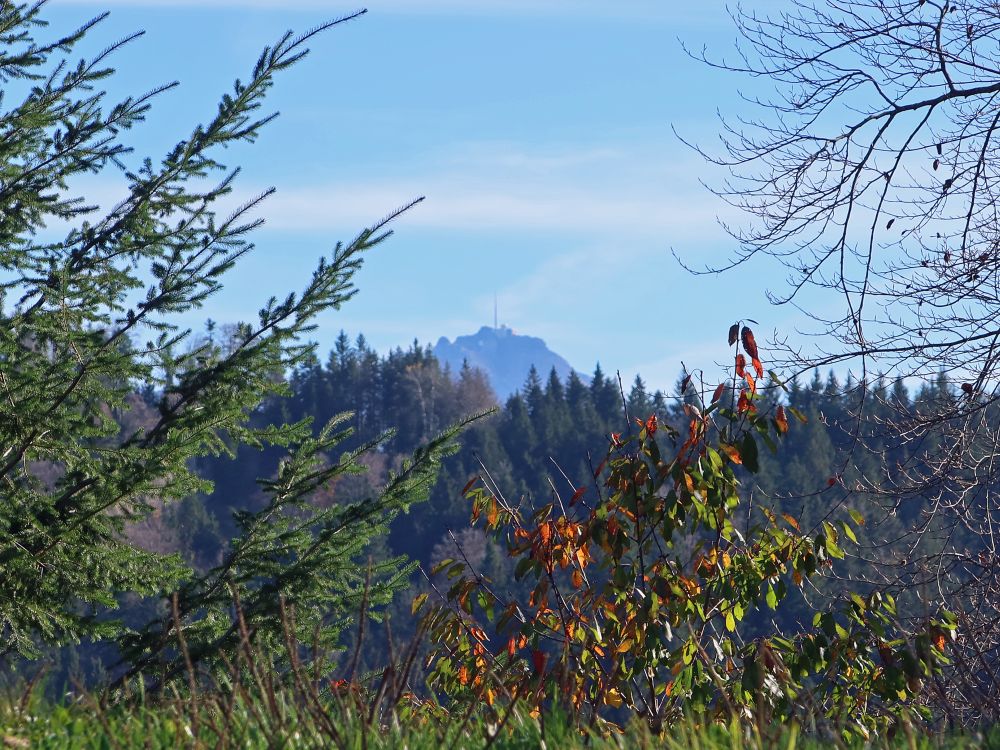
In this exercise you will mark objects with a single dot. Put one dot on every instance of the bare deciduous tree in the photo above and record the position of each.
(872, 174)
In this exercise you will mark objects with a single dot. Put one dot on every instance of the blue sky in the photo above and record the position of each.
(539, 130)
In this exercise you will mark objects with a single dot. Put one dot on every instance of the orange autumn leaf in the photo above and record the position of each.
(545, 532)
(731, 453)
(577, 579)
(758, 367)
(781, 420)
(741, 365)
(467, 487)
(939, 641)
(511, 647)
(689, 483)
(463, 675)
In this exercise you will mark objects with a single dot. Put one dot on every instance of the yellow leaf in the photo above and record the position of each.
(418, 602)
(613, 698)
(625, 646)
(577, 579)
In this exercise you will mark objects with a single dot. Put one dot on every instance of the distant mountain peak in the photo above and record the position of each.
(504, 355)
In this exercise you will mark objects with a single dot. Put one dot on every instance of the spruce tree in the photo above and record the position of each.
(90, 319)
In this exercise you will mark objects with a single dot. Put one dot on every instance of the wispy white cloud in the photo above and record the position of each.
(608, 191)
(452, 205)
(621, 192)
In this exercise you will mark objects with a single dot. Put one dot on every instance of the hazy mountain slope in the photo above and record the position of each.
(503, 355)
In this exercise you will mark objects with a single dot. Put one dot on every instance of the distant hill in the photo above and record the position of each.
(506, 357)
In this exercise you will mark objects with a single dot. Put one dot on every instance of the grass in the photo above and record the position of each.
(253, 707)
(282, 719)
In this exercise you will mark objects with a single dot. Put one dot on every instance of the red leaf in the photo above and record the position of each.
(749, 344)
(758, 367)
(467, 487)
(616, 438)
(511, 647)
(744, 403)
(741, 365)
(651, 425)
(538, 659)
(718, 392)
(600, 468)
(831, 481)
(734, 331)
(967, 388)
(577, 495)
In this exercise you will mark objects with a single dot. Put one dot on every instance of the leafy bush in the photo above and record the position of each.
(638, 582)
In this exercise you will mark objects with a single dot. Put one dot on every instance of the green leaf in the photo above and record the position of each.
(849, 532)
(748, 452)
(442, 565)
(522, 568)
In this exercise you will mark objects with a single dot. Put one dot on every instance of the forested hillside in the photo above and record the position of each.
(549, 438)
